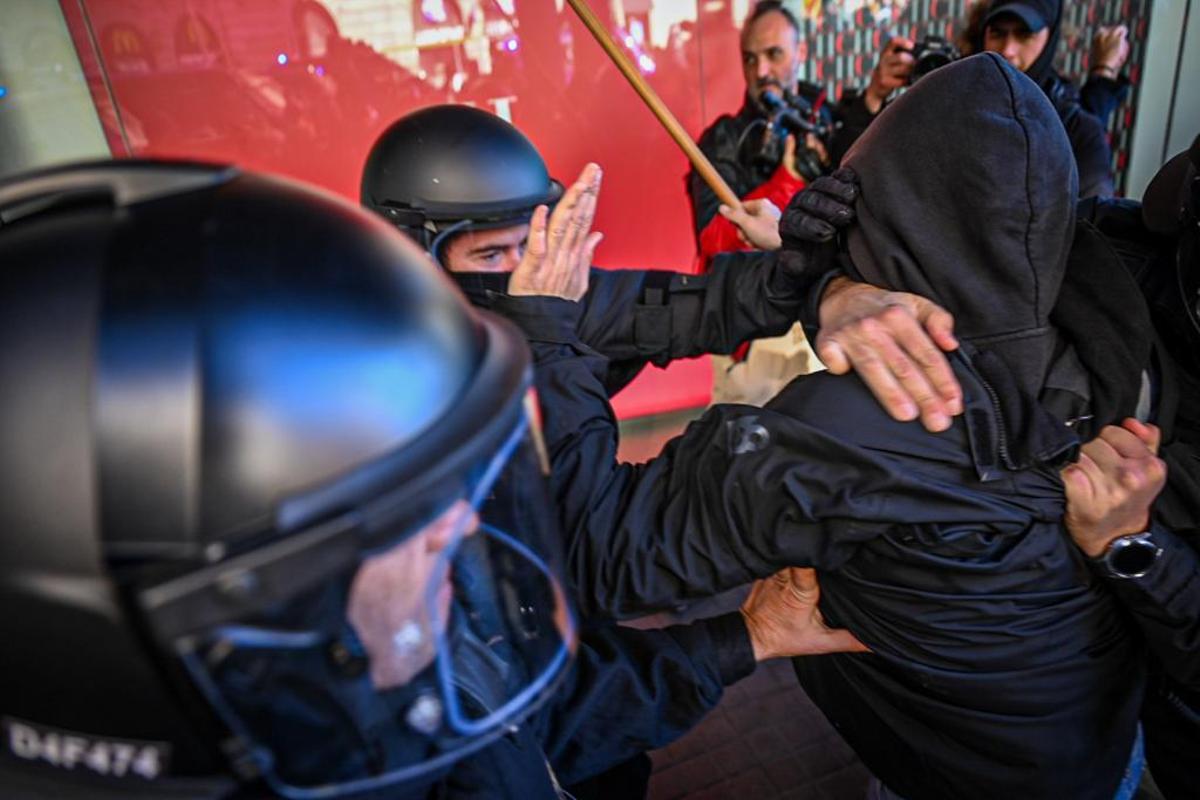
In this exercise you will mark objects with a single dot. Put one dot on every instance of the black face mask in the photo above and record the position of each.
(479, 287)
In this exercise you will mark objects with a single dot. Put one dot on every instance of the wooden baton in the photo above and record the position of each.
(700, 161)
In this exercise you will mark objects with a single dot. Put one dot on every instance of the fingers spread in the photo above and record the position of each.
(536, 242)
(938, 323)
(933, 369)
(832, 355)
(882, 366)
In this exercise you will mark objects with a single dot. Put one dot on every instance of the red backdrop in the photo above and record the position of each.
(302, 88)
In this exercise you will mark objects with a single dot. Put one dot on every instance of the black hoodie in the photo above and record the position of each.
(972, 205)
(968, 198)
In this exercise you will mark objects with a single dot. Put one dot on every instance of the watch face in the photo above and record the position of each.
(1133, 558)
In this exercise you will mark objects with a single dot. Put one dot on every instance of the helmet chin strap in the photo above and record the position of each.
(439, 240)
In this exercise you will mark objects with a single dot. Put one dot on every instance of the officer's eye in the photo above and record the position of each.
(489, 256)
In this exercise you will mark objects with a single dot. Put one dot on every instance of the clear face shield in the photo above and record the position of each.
(398, 658)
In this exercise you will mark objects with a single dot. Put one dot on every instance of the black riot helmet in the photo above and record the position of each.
(452, 168)
(270, 507)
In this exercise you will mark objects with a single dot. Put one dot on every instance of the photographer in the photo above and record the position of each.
(1026, 34)
(777, 143)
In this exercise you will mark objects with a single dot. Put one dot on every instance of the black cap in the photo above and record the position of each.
(1034, 13)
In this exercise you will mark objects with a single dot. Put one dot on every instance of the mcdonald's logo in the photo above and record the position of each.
(194, 36)
(125, 41)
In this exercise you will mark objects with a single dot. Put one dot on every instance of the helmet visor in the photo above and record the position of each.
(424, 649)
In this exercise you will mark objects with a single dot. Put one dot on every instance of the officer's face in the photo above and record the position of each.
(387, 599)
(1009, 36)
(486, 251)
(770, 54)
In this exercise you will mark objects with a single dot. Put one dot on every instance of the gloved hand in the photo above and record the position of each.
(814, 215)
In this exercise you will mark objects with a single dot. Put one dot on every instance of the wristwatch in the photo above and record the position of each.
(1129, 556)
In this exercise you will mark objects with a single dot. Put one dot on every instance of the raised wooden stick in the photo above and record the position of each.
(700, 161)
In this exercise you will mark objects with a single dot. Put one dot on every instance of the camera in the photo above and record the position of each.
(797, 114)
(929, 54)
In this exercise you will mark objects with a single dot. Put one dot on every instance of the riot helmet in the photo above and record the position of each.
(451, 168)
(271, 507)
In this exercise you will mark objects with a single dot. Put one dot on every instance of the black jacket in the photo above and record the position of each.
(628, 691)
(725, 144)
(731, 144)
(1164, 603)
(632, 690)
(1001, 667)
(639, 317)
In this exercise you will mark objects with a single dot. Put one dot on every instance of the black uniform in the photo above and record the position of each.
(635, 690)
(1001, 667)
(628, 691)
(639, 317)
(1165, 603)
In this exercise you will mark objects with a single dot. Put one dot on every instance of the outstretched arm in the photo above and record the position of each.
(632, 690)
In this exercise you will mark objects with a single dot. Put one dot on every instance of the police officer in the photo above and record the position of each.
(1144, 545)
(465, 185)
(273, 520)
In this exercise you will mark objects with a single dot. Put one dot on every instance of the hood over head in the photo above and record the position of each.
(968, 198)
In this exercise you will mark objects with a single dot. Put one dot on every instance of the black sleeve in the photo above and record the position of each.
(1100, 96)
(717, 509)
(855, 117)
(634, 317)
(1089, 143)
(720, 144)
(1165, 604)
(634, 690)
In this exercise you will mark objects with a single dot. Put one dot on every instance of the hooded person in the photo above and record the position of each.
(1001, 667)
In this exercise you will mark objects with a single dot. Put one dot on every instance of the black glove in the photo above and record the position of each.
(815, 213)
